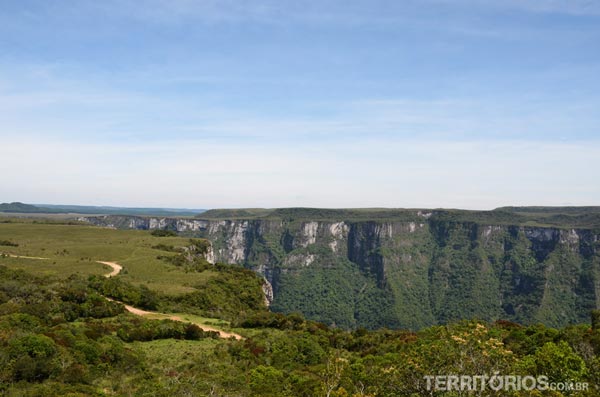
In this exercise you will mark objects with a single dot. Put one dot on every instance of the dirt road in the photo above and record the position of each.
(25, 257)
(139, 312)
(115, 266)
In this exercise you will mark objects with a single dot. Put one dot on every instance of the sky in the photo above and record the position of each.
(469, 104)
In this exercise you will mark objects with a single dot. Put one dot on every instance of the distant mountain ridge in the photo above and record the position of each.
(21, 207)
(18, 207)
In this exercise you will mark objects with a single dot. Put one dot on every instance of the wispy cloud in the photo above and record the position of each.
(85, 110)
(465, 103)
(329, 11)
(401, 173)
(573, 7)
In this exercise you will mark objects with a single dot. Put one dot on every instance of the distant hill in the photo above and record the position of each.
(84, 209)
(81, 209)
(23, 208)
(557, 216)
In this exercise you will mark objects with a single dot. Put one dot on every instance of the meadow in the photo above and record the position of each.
(75, 248)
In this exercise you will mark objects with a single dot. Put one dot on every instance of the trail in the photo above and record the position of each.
(139, 312)
(23, 257)
(115, 266)
(116, 269)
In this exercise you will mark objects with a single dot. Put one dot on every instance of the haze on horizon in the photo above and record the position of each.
(211, 104)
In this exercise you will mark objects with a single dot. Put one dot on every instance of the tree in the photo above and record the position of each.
(557, 361)
(334, 370)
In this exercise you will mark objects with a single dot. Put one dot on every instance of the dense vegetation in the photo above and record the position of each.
(163, 233)
(400, 274)
(60, 337)
(563, 217)
(411, 268)
(232, 292)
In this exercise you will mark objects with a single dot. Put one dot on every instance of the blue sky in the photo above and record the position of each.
(430, 103)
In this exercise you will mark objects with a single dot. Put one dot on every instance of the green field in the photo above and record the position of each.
(76, 248)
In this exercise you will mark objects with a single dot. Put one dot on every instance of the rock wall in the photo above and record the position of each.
(406, 274)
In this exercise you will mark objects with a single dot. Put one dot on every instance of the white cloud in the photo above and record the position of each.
(137, 132)
(369, 173)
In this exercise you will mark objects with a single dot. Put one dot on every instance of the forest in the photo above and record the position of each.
(65, 331)
(63, 337)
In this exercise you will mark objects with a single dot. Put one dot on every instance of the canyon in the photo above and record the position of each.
(405, 268)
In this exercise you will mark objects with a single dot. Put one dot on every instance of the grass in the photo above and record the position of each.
(221, 324)
(195, 319)
(76, 248)
(175, 353)
(53, 267)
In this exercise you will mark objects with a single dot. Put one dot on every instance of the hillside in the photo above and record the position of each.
(23, 208)
(61, 336)
(409, 268)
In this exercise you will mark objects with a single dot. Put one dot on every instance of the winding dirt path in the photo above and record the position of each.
(139, 312)
(116, 269)
(24, 257)
(115, 266)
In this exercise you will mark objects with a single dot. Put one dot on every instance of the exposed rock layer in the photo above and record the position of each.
(406, 273)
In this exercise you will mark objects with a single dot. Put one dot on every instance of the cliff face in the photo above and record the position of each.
(407, 274)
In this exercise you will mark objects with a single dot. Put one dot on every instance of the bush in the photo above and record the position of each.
(147, 330)
(165, 247)
(163, 233)
(33, 357)
(120, 290)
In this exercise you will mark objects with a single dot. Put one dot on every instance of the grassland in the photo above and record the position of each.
(72, 248)
(557, 217)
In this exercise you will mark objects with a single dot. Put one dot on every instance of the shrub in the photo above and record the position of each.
(163, 233)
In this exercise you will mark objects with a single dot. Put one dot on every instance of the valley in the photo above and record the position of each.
(174, 319)
(408, 268)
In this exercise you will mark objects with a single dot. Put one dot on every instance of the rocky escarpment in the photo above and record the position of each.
(408, 274)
